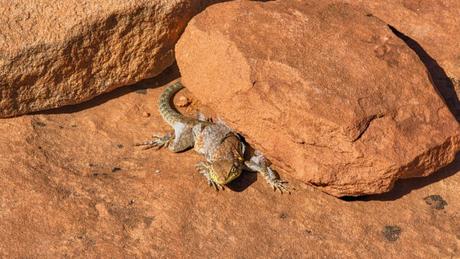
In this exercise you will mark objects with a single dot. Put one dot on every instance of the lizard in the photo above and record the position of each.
(226, 153)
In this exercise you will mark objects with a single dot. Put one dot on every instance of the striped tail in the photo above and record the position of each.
(167, 111)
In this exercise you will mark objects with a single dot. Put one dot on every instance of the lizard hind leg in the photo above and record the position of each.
(157, 141)
(183, 138)
(178, 140)
(258, 164)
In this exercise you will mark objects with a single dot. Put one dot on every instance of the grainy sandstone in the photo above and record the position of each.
(55, 53)
(434, 32)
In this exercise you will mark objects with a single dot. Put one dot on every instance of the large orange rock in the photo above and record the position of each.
(58, 53)
(330, 94)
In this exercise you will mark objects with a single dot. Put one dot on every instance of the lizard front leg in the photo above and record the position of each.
(258, 163)
(204, 169)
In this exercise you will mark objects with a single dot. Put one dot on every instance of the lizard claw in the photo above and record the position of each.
(258, 163)
(203, 168)
(280, 185)
(216, 186)
(277, 183)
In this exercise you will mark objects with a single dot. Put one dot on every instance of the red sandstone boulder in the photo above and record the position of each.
(330, 94)
(55, 53)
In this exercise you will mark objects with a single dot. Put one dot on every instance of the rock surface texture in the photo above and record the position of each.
(328, 92)
(432, 29)
(54, 53)
(72, 185)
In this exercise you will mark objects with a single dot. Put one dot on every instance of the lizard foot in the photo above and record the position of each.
(203, 168)
(276, 183)
(258, 164)
(157, 142)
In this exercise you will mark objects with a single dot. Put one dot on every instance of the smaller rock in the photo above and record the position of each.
(145, 114)
(391, 233)
(435, 201)
(183, 101)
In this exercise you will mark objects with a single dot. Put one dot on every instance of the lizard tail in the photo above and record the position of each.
(167, 111)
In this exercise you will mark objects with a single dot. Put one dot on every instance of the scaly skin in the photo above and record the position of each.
(225, 153)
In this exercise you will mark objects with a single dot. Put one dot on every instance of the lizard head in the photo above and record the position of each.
(225, 171)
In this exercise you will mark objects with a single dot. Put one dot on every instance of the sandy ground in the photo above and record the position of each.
(74, 185)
